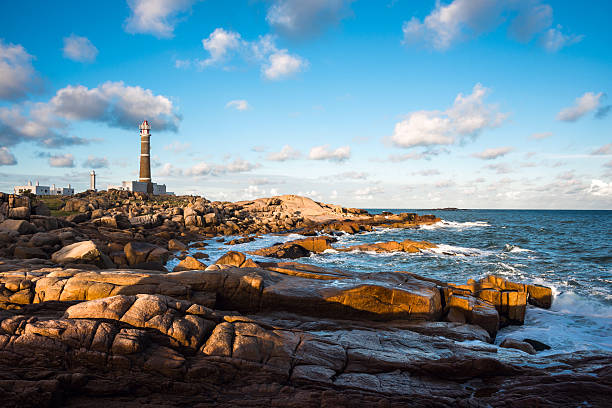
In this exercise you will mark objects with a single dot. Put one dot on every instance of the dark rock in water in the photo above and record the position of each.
(518, 345)
(537, 345)
(200, 255)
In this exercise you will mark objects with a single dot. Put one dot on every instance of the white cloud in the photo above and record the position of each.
(223, 45)
(79, 49)
(600, 188)
(299, 17)
(115, 104)
(588, 102)
(112, 103)
(62, 160)
(17, 75)
(286, 153)
(553, 39)
(324, 153)
(450, 23)
(238, 104)
(93, 162)
(240, 165)
(252, 192)
(156, 17)
(367, 193)
(219, 44)
(6, 157)
(603, 150)
(178, 147)
(493, 153)
(468, 116)
(542, 135)
(203, 168)
(282, 65)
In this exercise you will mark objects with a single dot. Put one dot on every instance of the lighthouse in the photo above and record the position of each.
(145, 155)
(144, 183)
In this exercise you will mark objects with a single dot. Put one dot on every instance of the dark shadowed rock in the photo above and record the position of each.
(20, 226)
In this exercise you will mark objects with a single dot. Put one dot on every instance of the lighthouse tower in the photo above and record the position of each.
(145, 155)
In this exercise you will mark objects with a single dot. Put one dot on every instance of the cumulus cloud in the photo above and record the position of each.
(39, 127)
(238, 104)
(223, 46)
(324, 153)
(541, 135)
(17, 75)
(61, 160)
(117, 105)
(219, 44)
(468, 116)
(93, 162)
(112, 103)
(588, 102)
(493, 153)
(298, 18)
(286, 153)
(156, 17)
(79, 49)
(554, 39)
(603, 150)
(450, 23)
(6, 157)
(600, 188)
(283, 65)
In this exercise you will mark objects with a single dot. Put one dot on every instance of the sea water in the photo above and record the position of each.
(569, 251)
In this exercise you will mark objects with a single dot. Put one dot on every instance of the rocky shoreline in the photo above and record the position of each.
(89, 314)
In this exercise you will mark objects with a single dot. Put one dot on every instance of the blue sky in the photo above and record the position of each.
(391, 104)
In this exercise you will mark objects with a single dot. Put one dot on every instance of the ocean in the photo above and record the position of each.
(567, 250)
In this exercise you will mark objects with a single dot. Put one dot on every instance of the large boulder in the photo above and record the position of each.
(22, 252)
(189, 264)
(20, 226)
(297, 248)
(392, 246)
(141, 252)
(176, 245)
(19, 213)
(238, 259)
(85, 252)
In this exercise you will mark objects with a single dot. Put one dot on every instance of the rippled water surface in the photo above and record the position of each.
(571, 251)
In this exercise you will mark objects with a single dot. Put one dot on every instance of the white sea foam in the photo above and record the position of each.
(455, 224)
(443, 249)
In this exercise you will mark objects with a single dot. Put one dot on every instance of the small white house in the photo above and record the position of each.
(43, 190)
(140, 187)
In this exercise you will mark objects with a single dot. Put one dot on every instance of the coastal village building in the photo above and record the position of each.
(144, 183)
(43, 190)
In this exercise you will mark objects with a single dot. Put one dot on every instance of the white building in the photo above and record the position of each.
(141, 187)
(43, 190)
